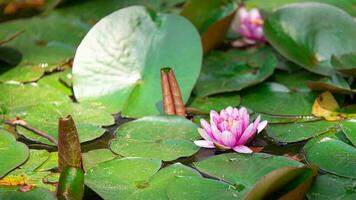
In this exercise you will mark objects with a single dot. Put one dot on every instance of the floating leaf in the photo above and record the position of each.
(13, 193)
(277, 99)
(94, 157)
(332, 155)
(217, 102)
(345, 63)
(55, 81)
(120, 178)
(335, 84)
(331, 187)
(12, 153)
(243, 171)
(164, 137)
(231, 71)
(272, 5)
(43, 44)
(212, 18)
(200, 188)
(327, 107)
(16, 99)
(25, 73)
(284, 183)
(44, 117)
(308, 41)
(299, 131)
(125, 75)
(349, 129)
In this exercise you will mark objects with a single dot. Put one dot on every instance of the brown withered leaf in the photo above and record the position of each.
(69, 151)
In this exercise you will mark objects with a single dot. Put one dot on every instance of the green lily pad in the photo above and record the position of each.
(36, 159)
(158, 184)
(330, 187)
(54, 81)
(12, 153)
(332, 155)
(124, 75)
(277, 99)
(296, 80)
(298, 131)
(241, 170)
(345, 63)
(25, 73)
(335, 84)
(272, 5)
(162, 137)
(50, 163)
(16, 99)
(231, 71)
(95, 157)
(349, 129)
(30, 171)
(203, 15)
(308, 41)
(120, 178)
(47, 42)
(135, 178)
(217, 102)
(12, 193)
(44, 117)
(192, 188)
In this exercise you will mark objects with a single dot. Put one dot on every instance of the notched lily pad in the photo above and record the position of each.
(12, 153)
(162, 137)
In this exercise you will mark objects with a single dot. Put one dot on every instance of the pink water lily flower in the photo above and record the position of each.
(249, 24)
(229, 129)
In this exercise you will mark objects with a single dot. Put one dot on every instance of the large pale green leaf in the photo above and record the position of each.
(234, 70)
(332, 155)
(277, 99)
(241, 170)
(334, 84)
(298, 131)
(271, 5)
(44, 116)
(162, 137)
(119, 60)
(12, 193)
(331, 187)
(12, 153)
(300, 35)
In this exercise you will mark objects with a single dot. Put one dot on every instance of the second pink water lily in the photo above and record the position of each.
(229, 129)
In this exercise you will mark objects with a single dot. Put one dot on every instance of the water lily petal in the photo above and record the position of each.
(245, 118)
(246, 135)
(223, 114)
(205, 125)
(254, 14)
(216, 133)
(242, 149)
(235, 113)
(236, 129)
(243, 13)
(204, 143)
(204, 134)
(214, 117)
(228, 139)
(262, 125)
(229, 110)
